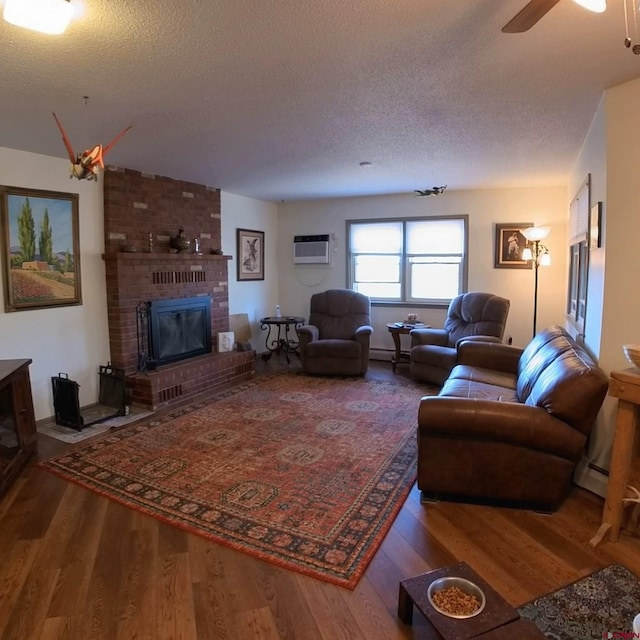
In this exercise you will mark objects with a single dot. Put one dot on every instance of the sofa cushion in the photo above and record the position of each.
(461, 388)
(557, 374)
(487, 376)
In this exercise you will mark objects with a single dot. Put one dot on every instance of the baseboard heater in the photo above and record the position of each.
(112, 400)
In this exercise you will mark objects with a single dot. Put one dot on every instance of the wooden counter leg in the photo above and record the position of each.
(405, 606)
(620, 466)
(396, 358)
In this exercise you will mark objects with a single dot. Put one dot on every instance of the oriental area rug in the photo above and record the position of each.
(307, 473)
(601, 605)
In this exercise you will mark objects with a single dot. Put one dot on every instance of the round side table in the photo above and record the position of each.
(281, 336)
(396, 329)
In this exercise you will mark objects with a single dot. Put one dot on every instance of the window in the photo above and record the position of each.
(415, 260)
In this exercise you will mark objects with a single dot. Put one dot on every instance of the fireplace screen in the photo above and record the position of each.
(179, 329)
(112, 399)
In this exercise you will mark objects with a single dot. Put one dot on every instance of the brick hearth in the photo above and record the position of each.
(137, 206)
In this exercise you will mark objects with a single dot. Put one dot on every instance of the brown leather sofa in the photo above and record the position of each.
(509, 425)
(336, 340)
(475, 313)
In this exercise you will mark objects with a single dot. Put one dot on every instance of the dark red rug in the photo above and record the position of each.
(307, 473)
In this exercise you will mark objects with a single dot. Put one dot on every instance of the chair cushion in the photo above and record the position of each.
(334, 349)
(339, 312)
(434, 355)
(476, 313)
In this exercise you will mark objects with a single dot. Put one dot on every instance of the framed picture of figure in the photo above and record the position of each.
(510, 243)
(250, 254)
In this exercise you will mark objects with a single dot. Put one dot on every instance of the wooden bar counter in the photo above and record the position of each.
(624, 385)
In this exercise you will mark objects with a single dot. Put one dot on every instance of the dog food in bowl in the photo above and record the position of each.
(456, 597)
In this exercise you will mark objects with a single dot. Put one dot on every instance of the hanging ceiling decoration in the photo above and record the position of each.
(435, 191)
(87, 165)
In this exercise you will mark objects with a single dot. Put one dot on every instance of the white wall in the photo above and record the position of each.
(73, 339)
(256, 298)
(621, 317)
(484, 207)
(613, 308)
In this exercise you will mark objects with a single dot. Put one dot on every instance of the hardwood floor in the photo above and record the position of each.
(77, 566)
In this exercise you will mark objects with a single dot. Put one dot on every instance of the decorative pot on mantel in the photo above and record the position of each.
(180, 242)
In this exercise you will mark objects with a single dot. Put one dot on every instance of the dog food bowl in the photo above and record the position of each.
(468, 587)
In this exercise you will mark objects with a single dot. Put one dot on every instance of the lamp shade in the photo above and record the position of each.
(46, 16)
(536, 233)
(593, 5)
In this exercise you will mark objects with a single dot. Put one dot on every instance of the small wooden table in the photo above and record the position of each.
(396, 329)
(624, 385)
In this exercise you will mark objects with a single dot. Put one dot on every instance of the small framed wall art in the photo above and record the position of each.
(41, 248)
(250, 254)
(510, 244)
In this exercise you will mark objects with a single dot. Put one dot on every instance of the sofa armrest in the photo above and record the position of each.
(510, 422)
(307, 333)
(489, 355)
(429, 336)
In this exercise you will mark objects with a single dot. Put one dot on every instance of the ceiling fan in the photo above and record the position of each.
(537, 9)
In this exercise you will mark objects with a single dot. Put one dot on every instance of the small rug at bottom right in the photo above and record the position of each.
(599, 606)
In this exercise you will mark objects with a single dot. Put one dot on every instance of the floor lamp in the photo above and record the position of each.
(539, 255)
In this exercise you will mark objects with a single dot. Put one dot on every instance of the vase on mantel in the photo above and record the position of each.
(180, 242)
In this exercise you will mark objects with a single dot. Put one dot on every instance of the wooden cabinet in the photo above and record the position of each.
(18, 437)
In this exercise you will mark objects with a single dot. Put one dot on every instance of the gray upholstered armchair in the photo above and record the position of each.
(336, 340)
(433, 351)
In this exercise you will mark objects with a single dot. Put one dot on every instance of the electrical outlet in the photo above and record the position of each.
(509, 339)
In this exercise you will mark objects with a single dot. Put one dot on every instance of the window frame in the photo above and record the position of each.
(405, 299)
(578, 272)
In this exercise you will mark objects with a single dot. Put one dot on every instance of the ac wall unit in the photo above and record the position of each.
(311, 249)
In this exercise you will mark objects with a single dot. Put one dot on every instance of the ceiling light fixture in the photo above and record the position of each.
(366, 164)
(46, 16)
(598, 6)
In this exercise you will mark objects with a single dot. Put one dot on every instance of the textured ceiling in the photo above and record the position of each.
(282, 99)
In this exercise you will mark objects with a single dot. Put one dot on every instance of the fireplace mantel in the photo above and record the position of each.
(143, 256)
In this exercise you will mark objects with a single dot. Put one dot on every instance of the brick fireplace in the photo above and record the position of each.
(141, 213)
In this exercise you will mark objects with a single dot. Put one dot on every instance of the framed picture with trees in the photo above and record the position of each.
(41, 248)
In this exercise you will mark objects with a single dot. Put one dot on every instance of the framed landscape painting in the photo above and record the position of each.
(250, 254)
(41, 248)
(510, 243)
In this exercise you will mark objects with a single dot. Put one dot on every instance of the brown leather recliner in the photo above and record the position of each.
(336, 340)
(509, 425)
(433, 351)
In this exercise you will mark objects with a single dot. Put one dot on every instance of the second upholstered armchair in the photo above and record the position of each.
(433, 351)
(336, 339)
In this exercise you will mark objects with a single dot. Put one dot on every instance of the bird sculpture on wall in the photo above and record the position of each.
(87, 165)
(435, 191)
